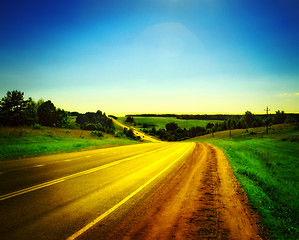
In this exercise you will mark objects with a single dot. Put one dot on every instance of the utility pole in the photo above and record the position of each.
(267, 123)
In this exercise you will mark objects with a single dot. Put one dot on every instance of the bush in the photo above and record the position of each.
(89, 126)
(130, 120)
(130, 134)
(118, 134)
(73, 125)
(97, 134)
(36, 126)
(63, 119)
(95, 122)
(171, 127)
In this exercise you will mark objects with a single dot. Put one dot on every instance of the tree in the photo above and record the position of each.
(209, 125)
(96, 121)
(130, 119)
(46, 113)
(12, 108)
(171, 127)
(81, 119)
(279, 117)
(31, 112)
(130, 134)
(248, 118)
(39, 102)
(242, 123)
(153, 131)
(63, 120)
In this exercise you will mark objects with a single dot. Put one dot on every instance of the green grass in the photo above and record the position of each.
(160, 122)
(22, 142)
(267, 167)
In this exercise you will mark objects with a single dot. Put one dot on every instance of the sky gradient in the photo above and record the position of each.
(153, 56)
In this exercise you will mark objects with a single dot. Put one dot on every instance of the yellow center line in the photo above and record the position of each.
(92, 170)
(105, 214)
(40, 165)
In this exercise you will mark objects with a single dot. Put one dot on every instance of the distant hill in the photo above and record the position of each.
(209, 116)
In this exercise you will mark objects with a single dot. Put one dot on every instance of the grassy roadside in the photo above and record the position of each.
(24, 141)
(267, 167)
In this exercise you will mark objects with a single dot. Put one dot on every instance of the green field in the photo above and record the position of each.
(20, 142)
(267, 167)
(160, 122)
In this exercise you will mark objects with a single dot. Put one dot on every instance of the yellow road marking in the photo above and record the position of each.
(92, 170)
(105, 214)
(40, 165)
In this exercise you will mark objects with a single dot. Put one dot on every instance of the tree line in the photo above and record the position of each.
(290, 117)
(172, 132)
(187, 116)
(16, 111)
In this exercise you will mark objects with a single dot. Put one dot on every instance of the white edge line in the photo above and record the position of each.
(105, 214)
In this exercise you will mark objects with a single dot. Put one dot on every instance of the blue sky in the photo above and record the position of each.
(153, 56)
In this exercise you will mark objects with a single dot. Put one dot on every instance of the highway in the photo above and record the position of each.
(66, 196)
(136, 132)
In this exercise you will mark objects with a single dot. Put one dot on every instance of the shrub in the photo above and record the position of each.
(130, 134)
(118, 134)
(130, 120)
(89, 126)
(97, 134)
(73, 125)
(36, 126)
(171, 127)
(95, 121)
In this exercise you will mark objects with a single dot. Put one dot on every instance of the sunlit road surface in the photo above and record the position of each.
(136, 132)
(64, 196)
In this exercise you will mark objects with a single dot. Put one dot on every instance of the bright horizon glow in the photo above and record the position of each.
(153, 56)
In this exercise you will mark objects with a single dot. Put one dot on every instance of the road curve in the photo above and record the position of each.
(136, 132)
(65, 196)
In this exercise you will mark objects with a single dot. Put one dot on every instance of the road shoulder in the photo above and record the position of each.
(201, 199)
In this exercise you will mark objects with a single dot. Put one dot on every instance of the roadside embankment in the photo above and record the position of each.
(16, 142)
(267, 167)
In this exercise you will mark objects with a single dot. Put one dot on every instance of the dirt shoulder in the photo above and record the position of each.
(202, 200)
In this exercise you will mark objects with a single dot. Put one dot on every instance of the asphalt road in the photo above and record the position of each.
(136, 132)
(64, 196)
